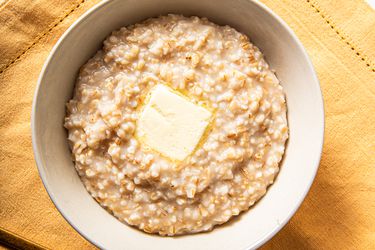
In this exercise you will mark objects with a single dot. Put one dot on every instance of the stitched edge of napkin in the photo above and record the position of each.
(43, 35)
(344, 37)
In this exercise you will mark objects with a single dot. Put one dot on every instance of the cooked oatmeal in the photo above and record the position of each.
(238, 154)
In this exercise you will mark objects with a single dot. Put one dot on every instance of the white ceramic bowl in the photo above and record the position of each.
(305, 114)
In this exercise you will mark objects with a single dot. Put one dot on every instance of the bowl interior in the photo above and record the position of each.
(283, 52)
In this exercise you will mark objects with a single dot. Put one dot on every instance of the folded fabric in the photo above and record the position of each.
(339, 211)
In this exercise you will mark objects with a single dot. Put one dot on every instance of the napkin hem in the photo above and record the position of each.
(344, 37)
(41, 36)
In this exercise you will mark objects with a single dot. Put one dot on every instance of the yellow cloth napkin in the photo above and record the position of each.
(339, 211)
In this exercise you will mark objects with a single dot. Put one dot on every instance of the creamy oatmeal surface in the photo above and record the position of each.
(237, 157)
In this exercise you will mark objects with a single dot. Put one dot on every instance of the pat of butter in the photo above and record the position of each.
(171, 124)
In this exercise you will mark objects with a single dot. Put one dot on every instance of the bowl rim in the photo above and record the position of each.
(99, 6)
